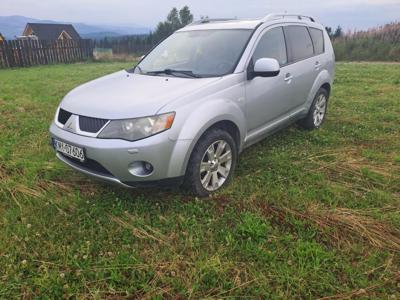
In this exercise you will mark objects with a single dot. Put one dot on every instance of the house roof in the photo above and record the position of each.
(52, 31)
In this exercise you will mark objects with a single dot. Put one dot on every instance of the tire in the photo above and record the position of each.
(317, 114)
(222, 165)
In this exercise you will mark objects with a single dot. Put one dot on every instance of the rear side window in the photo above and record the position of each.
(317, 37)
(299, 42)
(272, 45)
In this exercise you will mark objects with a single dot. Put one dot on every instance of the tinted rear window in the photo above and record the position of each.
(299, 42)
(318, 40)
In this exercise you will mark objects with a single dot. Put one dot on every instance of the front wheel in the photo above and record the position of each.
(316, 115)
(212, 163)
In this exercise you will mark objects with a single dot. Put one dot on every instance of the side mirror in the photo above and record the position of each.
(266, 67)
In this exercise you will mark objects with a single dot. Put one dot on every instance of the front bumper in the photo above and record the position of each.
(110, 159)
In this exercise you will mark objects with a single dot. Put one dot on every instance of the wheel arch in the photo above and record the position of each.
(324, 80)
(223, 114)
(229, 126)
(327, 87)
(226, 124)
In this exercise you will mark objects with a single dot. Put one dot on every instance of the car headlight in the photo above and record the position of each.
(137, 129)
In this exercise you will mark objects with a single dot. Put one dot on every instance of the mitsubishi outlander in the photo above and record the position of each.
(184, 113)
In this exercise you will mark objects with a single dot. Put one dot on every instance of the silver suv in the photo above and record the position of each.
(190, 106)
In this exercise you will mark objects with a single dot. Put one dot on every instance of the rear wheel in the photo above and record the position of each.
(212, 163)
(316, 115)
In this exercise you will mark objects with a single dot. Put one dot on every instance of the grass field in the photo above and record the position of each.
(308, 215)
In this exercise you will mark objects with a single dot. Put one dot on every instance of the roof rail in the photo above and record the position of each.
(271, 17)
(207, 20)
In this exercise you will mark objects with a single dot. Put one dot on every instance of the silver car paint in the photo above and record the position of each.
(122, 95)
(257, 107)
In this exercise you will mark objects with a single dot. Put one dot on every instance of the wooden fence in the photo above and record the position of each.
(25, 53)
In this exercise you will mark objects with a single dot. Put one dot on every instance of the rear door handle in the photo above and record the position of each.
(317, 65)
(288, 77)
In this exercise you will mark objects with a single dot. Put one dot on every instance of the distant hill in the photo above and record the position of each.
(11, 26)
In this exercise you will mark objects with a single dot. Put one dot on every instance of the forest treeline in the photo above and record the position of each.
(376, 44)
(141, 44)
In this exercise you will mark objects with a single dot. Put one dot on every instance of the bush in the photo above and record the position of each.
(377, 44)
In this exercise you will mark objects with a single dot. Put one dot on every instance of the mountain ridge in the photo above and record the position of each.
(12, 26)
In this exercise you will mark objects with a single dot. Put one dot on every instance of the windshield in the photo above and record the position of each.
(199, 53)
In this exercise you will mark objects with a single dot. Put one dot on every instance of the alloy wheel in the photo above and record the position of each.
(215, 165)
(319, 110)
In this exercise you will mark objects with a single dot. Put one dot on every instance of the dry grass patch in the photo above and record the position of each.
(366, 292)
(145, 233)
(345, 225)
(349, 168)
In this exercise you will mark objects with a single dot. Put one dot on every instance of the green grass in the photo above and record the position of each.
(308, 214)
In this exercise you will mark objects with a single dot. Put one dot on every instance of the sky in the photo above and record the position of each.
(350, 14)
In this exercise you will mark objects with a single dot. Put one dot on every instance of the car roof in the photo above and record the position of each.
(208, 24)
(222, 24)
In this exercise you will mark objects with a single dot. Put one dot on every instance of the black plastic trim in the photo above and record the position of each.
(63, 116)
(89, 164)
(162, 183)
(92, 125)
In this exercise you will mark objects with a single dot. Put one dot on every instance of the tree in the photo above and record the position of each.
(175, 20)
(141, 44)
(329, 31)
(164, 29)
(338, 32)
(185, 16)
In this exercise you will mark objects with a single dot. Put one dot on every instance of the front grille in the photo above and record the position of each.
(90, 165)
(63, 116)
(91, 125)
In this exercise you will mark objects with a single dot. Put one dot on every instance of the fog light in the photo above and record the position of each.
(141, 168)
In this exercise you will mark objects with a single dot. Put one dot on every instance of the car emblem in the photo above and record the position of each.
(70, 125)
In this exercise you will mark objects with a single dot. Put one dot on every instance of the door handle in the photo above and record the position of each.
(288, 77)
(317, 65)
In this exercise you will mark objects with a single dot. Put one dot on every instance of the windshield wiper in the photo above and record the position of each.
(174, 72)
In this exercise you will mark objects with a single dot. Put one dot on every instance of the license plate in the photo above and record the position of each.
(69, 150)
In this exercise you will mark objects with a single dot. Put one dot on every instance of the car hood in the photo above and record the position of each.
(123, 95)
